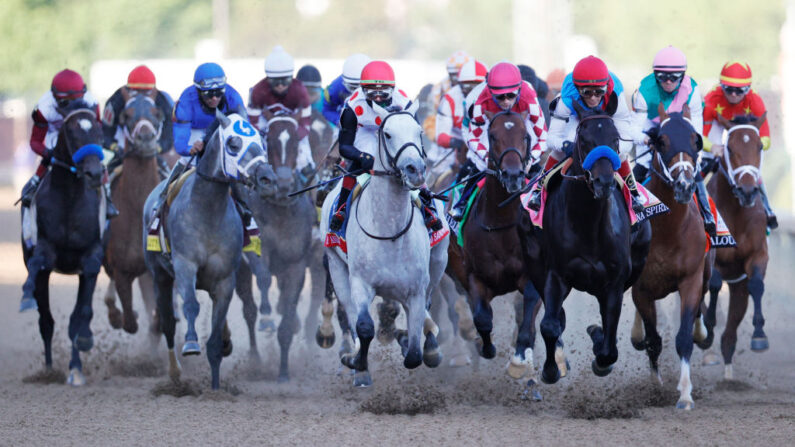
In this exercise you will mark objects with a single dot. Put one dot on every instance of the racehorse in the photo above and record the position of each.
(205, 234)
(285, 226)
(388, 247)
(679, 257)
(735, 192)
(587, 241)
(69, 220)
(491, 262)
(124, 258)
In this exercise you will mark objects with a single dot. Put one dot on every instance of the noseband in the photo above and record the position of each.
(666, 175)
(392, 160)
(580, 155)
(79, 154)
(497, 162)
(733, 174)
(144, 122)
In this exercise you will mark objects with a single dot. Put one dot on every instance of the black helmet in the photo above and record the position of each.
(309, 76)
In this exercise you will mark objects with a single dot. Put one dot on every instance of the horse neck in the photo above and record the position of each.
(494, 194)
(586, 211)
(665, 193)
(210, 197)
(387, 196)
(65, 182)
(140, 177)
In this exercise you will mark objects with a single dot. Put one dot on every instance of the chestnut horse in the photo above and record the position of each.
(735, 191)
(678, 260)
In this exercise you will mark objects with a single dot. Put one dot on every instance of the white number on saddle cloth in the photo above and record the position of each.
(231, 161)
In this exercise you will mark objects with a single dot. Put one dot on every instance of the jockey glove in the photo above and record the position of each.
(709, 164)
(46, 158)
(366, 161)
(457, 144)
(567, 147)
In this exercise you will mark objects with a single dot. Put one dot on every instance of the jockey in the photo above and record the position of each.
(669, 85)
(734, 98)
(539, 85)
(453, 64)
(594, 87)
(279, 92)
(141, 80)
(450, 113)
(505, 90)
(342, 87)
(67, 92)
(195, 112)
(359, 124)
(310, 77)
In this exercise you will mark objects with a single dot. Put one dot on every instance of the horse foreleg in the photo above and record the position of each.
(222, 295)
(415, 317)
(710, 318)
(46, 322)
(756, 287)
(185, 288)
(690, 293)
(738, 303)
(80, 320)
(124, 288)
(604, 338)
(147, 288)
(480, 303)
(521, 363)
(163, 284)
(316, 297)
(114, 314)
(291, 281)
(555, 291)
(244, 290)
(361, 294)
(262, 272)
(325, 332)
(646, 322)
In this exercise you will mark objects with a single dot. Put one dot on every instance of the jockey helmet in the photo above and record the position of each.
(209, 76)
(378, 81)
(504, 78)
(141, 78)
(555, 79)
(590, 71)
(456, 60)
(670, 58)
(735, 74)
(352, 70)
(68, 84)
(279, 64)
(309, 75)
(472, 71)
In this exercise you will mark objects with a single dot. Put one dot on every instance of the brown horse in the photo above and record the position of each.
(735, 191)
(124, 257)
(491, 261)
(678, 260)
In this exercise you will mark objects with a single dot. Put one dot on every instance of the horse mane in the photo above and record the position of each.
(744, 119)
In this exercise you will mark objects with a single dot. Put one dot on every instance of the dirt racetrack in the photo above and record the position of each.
(128, 399)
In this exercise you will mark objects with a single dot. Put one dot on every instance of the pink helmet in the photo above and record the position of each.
(472, 71)
(670, 58)
(504, 78)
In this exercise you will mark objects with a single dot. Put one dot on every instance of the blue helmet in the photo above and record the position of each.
(209, 76)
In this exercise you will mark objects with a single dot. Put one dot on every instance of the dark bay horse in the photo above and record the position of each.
(124, 256)
(588, 243)
(736, 193)
(678, 258)
(69, 236)
(205, 234)
(285, 225)
(491, 261)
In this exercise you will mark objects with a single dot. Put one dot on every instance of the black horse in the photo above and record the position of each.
(69, 236)
(588, 241)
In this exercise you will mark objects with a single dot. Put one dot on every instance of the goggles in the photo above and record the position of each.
(586, 92)
(213, 93)
(211, 83)
(280, 82)
(729, 90)
(668, 76)
(504, 96)
(381, 92)
(63, 102)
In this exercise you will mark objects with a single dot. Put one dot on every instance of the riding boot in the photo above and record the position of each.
(535, 196)
(772, 221)
(629, 179)
(242, 208)
(429, 213)
(178, 169)
(29, 190)
(458, 210)
(640, 172)
(348, 182)
(703, 206)
(110, 209)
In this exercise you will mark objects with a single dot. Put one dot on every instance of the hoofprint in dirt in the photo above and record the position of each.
(476, 405)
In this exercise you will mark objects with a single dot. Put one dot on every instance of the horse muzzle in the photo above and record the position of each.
(603, 185)
(413, 174)
(684, 189)
(746, 195)
(284, 181)
(512, 180)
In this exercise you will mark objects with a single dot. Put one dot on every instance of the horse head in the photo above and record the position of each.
(596, 151)
(282, 143)
(509, 148)
(400, 150)
(142, 123)
(233, 152)
(675, 144)
(79, 146)
(742, 156)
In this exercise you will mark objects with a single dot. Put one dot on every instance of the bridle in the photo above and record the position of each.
(497, 172)
(580, 156)
(666, 176)
(141, 124)
(734, 174)
(81, 152)
(392, 160)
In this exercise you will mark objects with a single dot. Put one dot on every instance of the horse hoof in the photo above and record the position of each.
(191, 348)
(28, 304)
(83, 344)
(710, 359)
(685, 405)
(413, 359)
(599, 371)
(130, 325)
(704, 344)
(517, 370)
(531, 392)
(283, 378)
(550, 377)
(562, 361)
(115, 319)
(386, 334)
(401, 336)
(226, 348)
(639, 345)
(488, 351)
(759, 344)
(592, 329)
(324, 341)
(362, 379)
(76, 377)
(267, 325)
(348, 361)
(433, 358)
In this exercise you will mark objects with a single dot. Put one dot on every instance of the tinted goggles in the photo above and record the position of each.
(381, 92)
(213, 93)
(504, 96)
(668, 76)
(586, 92)
(280, 82)
(729, 90)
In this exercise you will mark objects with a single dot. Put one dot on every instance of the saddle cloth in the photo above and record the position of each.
(457, 228)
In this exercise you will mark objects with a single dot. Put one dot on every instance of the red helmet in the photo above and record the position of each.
(377, 73)
(590, 71)
(141, 77)
(735, 74)
(504, 78)
(68, 84)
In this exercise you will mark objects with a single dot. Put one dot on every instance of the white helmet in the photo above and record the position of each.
(279, 63)
(352, 68)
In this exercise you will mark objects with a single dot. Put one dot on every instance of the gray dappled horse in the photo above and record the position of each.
(205, 234)
(142, 123)
(285, 225)
(389, 250)
(69, 237)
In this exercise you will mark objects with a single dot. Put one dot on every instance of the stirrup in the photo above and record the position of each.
(535, 200)
(772, 221)
(335, 224)
(456, 213)
(711, 228)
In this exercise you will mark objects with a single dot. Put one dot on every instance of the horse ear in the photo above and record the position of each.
(578, 108)
(223, 119)
(661, 111)
(413, 108)
(686, 111)
(761, 120)
(699, 140)
(654, 134)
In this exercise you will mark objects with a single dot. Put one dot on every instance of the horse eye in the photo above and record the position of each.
(234, 144)
(388, 136)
